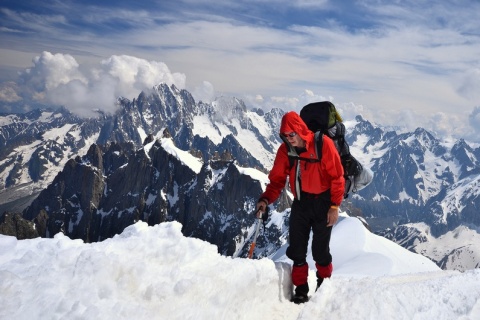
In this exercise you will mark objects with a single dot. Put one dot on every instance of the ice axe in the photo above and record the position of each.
(260, 217)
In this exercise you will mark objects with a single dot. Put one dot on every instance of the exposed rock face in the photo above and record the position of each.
(98, 195)
(79, 185)
(13, 224)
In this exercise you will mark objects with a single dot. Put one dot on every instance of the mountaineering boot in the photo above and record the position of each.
(299, 298)
(319, 283)
(301, 294)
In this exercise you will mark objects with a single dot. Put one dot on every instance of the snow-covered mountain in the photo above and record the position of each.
(424, 191)
(118, 169)
(416, 169)
(158, 273)
(454, 250)
(98, 195)
(36, 146)
(168, 158)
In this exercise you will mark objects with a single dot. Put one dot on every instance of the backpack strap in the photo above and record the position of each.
(293, 158)
(319, 144)
(293, 155)
(337, 134)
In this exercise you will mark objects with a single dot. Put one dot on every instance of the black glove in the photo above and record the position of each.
(265, 214)
(262, 203)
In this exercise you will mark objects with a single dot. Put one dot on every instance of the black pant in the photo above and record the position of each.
(310, 213)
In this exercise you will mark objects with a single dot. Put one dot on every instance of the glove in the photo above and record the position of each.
(265, 214)
(262, 209)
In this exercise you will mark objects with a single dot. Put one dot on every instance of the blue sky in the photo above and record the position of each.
(414, 63)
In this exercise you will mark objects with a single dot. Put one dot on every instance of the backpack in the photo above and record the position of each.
(323, 118)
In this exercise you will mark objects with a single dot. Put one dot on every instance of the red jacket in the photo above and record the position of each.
(316, 177)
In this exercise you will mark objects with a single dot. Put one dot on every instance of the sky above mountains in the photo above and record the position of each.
(411, 63)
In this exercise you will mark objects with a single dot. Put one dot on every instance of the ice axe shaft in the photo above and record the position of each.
(254, 242)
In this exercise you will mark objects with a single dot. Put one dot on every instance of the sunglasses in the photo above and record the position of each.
(291, 134)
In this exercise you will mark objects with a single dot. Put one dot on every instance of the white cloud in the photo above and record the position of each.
(204, 93)
(51, 70)
(319, 4)
(307, 4)
(383, 69)
(82, 99)
(284, 102)
(384, 56)
(474, 121)
(135, 74)
(470, 87)
(57, 79)
(8, 92)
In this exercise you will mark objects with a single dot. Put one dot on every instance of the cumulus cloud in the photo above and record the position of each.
(288, 103)
(350, 110)
(474, 120)
(470, 87)
(8, 92)
(134, 74)
(204, 92)
(58, 79)
(446, 125)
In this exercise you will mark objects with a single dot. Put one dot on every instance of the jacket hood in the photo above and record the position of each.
(291, 122)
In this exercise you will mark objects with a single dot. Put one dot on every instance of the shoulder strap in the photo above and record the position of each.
(318, 145)
(293, 155)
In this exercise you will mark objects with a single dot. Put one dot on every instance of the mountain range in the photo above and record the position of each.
(163, 156)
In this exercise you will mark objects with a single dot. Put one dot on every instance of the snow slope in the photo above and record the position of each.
(457, 249)
(157, 273)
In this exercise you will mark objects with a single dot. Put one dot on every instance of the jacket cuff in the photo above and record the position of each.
(263, 200)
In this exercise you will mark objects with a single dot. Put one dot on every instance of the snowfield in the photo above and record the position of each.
(157, 273)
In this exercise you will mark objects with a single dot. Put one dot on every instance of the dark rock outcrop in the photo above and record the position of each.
(13, 224)
(97, 196)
